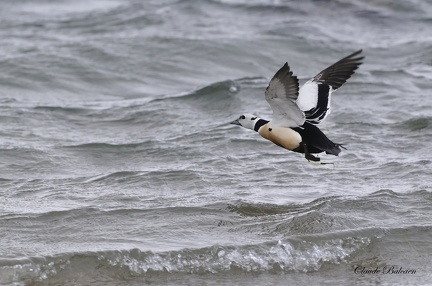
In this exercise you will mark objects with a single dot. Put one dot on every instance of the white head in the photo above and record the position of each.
(246, 120)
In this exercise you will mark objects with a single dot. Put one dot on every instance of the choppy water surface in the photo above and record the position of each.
(118, 165)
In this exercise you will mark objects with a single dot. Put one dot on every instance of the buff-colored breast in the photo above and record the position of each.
(284, 137)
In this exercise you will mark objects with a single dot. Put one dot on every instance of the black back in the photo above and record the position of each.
(316, 140)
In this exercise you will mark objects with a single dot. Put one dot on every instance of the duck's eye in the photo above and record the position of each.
(253, 118)
(242, 117)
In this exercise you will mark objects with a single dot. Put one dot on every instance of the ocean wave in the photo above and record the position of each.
(262, 209)
(63, 109)
(147, 111)
(298, 255)
(416, 124)
(260, 6)
(334, 213)
(142, 176)
(327, 231)
(107, 146)
(95, 19)
(213, 92)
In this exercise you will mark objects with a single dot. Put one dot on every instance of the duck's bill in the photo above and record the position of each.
(235, 122)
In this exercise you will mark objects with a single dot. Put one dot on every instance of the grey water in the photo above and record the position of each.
(118, 165)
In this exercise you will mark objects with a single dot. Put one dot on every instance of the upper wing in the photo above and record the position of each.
(314, 96)
(281, 94)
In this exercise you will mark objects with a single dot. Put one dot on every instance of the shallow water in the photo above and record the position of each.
(118, 165)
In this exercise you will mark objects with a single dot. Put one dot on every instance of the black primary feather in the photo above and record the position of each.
(338, 73)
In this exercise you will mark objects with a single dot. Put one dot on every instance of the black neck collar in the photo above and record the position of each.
(259, 123)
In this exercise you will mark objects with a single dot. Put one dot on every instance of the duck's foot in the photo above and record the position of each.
(320, 163)
(309, 156)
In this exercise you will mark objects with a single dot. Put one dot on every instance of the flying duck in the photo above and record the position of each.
(296, 112)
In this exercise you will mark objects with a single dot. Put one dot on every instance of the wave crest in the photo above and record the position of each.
(292, 255)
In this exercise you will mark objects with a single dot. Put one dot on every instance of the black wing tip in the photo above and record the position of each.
(290, 81)
(285, 72)
(356, 53)
(284, 69)
(338, 73)
(355, 57)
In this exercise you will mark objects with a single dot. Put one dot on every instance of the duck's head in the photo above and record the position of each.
(246, 120)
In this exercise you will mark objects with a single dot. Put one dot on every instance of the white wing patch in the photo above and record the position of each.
(315, 95)
(308, 96)
(314, 99)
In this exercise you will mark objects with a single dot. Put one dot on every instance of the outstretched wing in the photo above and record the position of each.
(281, 94)
(314, 96)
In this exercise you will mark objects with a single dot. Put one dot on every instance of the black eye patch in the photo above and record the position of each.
(242, 117)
